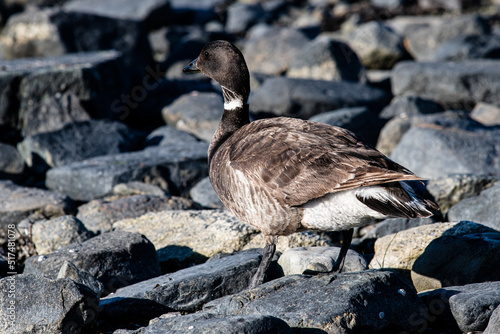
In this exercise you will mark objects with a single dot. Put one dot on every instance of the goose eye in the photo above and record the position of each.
(206, 54)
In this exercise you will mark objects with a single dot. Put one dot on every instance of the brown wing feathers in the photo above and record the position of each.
(308, 159)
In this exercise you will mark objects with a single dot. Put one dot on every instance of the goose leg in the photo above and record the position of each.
(267, 257)
(339, 264)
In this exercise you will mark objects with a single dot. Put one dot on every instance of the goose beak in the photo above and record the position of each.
(191, 67)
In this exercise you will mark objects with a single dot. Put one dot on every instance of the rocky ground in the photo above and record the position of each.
(108, 223)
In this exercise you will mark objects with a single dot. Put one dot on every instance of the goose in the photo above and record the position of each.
(283, 175)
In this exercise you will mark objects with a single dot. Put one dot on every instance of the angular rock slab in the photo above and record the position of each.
(190, 235)
(494, 323)
(454, 84)
(100, 214)
(185, 290)
(465, 308)
(116, 259)
(17, 203)
(304, 98)
(207, 323)
(296, 260)
(77, 141)
(441, 254)
(51, 306)
(175, 168)
(433, 151)
(484, 208)
(368, 302)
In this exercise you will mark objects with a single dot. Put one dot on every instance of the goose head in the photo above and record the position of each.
(223, 62)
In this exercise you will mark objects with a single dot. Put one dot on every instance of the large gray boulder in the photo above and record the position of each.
(304, 98)
(454, 84)
(77, 141)
(186, 290)
(116, 259)
(482, 209)
(51, 306)
(175, 168)
(338, 303)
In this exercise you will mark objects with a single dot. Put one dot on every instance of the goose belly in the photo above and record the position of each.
(338, 211)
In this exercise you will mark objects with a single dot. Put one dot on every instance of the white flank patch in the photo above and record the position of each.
(234, 104)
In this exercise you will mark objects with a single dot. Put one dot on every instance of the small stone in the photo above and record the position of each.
(52, 306)
(395, 225)
(297, 260)
(469, 47)
(50, 235)
(486, 114)
(137, 188)
(242, 16)
(169, 135)
(405, 106)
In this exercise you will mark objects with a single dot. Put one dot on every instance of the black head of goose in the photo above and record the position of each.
(284, 175)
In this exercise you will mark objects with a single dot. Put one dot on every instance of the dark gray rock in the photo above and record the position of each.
(469, 47)
(52, 306)
(185, 290)
(341, 303)
(99, 215)
(483, 208)
(69, 270)
(242, 16)
(50, 235)
(46, 94)
(453, 84)
(327, 59)
(175, 168)
(395, 225)
(425, 39)
(207, 323)
(297, 260)
(150, 13)
(116, 259)
(377, 45)
(462, 308)
(193, 11)
(359, 120)
(450, 190)
(169, 135)
(265, 43)
(304, 98)
(462, 146)
(410, 106)
(457, 260)
(17, 203)
(11, 162)
(204, 195)
(60, 31)
(494, 323)
(77, 141)
(196, 113)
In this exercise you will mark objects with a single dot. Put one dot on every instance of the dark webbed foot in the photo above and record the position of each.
(339, 264)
